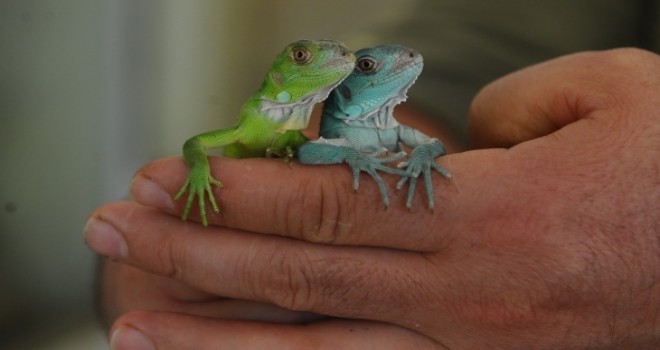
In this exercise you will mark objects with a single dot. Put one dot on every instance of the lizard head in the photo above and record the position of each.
(381, 79)
(306, 71)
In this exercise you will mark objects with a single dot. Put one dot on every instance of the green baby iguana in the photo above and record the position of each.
(271, 120)
(358, 125)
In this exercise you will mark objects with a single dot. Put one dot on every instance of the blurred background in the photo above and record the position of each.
(90, 91)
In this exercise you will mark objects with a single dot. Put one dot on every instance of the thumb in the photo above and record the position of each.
(541, 99)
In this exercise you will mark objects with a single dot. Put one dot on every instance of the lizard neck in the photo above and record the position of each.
(292, 115)
(381, 117)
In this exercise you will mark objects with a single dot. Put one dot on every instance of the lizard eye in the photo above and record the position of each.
(300, 55)
(366, 65)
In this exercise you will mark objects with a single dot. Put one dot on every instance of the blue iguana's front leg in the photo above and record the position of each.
(420, 161)
(337, 151)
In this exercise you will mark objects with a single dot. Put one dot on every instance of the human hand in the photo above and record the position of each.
(551, 244)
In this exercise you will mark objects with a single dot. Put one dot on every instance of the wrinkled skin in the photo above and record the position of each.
(553, 243)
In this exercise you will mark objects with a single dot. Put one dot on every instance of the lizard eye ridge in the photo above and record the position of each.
(300, 55)
(366, 65)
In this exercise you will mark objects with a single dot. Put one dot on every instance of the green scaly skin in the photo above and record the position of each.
(269, 123)
(358, 125)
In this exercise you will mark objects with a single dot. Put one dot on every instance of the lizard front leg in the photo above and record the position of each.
(199, 181)
(421, 161)
(336, 151)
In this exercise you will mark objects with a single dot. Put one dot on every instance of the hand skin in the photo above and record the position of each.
(553, 243)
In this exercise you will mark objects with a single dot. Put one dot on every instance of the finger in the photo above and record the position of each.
(381, 186)
(411, 192)
(402, 181)
(311, 203)
(541, 99)
(392, 157)
(201, 202)
(189, 201)
(441, 170)
(124, 288)
(356, 178)
(295, 275)
(429, 187)
(165, 331)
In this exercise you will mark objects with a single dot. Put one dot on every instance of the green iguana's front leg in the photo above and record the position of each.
(199, 180)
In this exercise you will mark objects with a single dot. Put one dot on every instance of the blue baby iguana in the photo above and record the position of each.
(269, 123)
(357, 124)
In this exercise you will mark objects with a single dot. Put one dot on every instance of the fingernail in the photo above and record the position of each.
(150, 193)
(129, 338)
(104, 239)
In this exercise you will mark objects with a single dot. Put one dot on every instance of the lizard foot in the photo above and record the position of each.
(371, 163)
(336, 151)
(422, 161)
(287, 154)
(198, 184)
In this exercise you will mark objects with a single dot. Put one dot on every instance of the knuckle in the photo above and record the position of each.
(288, 283)
(303, 281)
(327, 212)
(171, 259)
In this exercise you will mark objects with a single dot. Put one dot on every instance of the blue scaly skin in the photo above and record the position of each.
(358, 125)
